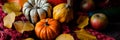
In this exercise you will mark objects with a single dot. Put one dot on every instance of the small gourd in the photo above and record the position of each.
(63, 12)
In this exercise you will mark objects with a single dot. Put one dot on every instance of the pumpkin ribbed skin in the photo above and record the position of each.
(47, 32)
(36, 9)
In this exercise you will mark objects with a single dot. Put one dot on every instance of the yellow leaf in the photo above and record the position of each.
(11, 7)
(65, 37)
(28, 26)
(84, 35)
(21, 26)
(8, 20)
(28, 39)
(18, 13)
(82, 21)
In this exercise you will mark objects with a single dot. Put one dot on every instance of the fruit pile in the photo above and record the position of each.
(53, 20)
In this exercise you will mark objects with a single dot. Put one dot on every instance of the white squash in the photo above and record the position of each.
(34, 10)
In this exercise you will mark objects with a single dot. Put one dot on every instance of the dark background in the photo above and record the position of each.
(112, 10)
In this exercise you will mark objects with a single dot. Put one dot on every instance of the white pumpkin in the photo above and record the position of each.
(34, 10)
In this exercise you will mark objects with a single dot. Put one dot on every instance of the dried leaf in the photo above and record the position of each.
(28, 39)
(82, 21)
(21, 26)
(18, 13)
(12, 7)
(28, 26)
(8, 20)
(84, 35)
(65, 37)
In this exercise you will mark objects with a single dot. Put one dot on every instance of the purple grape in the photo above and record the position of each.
(2, 2)
(109, 38)
(3, 35)
(99, 35)
(13, 34)
(65, 28)
(21, 17)
(2, 15)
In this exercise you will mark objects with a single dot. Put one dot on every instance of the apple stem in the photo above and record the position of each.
(98, 16)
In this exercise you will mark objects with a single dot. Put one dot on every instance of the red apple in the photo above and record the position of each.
(98, 21)
(104, 3)
(87, 5)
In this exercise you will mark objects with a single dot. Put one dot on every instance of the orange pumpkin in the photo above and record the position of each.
(20, 2)
(47, 29)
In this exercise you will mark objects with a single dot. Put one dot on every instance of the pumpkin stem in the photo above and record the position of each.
(36, 6)
(46, 23)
